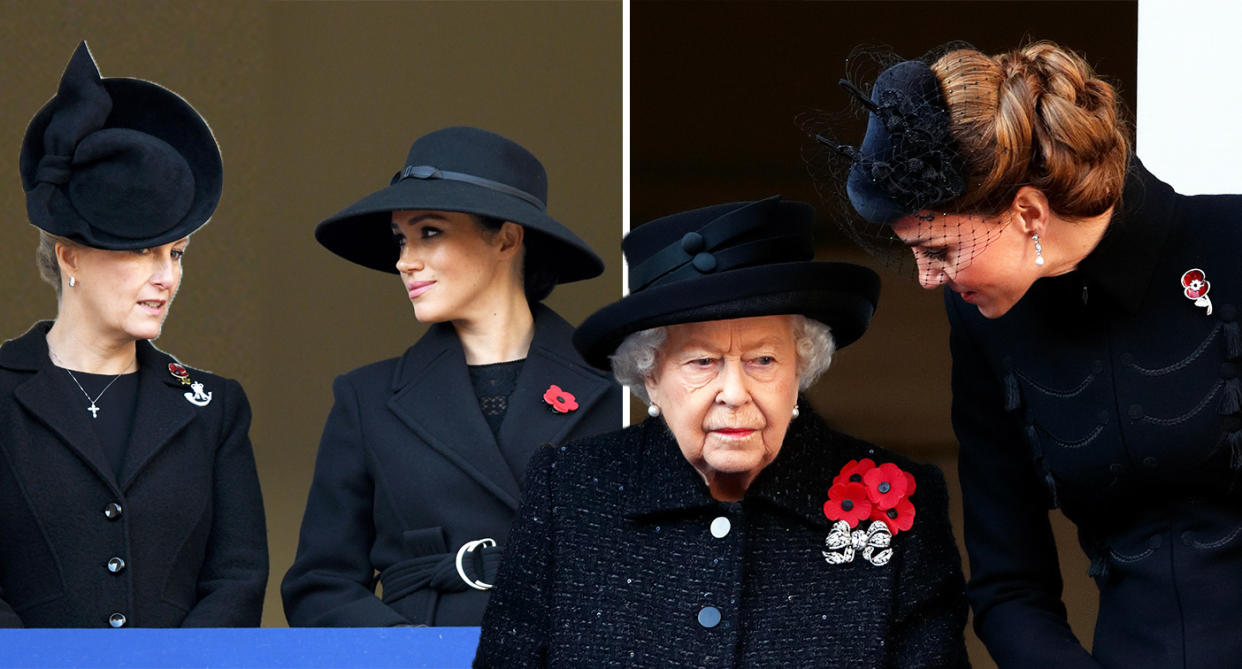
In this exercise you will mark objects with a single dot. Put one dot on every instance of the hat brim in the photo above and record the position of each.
(842, 296)
(362, 232)
(150, 108)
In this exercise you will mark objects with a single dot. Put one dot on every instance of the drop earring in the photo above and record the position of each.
(796, 413)
(1039, 250)
(73, 281)
(653, 411)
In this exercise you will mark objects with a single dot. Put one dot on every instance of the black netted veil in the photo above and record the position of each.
(908, 166)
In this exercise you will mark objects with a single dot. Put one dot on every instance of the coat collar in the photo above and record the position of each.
(160, 412)
(1125, 259)
(433, 396)
(666, 482)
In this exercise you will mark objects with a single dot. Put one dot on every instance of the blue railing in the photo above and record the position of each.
(239, 648)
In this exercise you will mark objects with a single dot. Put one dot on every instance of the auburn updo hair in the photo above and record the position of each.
(1036, 116)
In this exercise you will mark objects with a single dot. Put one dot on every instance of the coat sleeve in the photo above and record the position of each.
(930, 609)
(233, 577)
(1015, 578)
(515, 624)
(331, 582)
(8, 617)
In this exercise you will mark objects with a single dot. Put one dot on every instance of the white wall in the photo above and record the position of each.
(1189, 122)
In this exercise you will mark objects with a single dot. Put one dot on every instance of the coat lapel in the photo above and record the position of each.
(551, 361)
(434, 398)
(44, 397)
(162, 411)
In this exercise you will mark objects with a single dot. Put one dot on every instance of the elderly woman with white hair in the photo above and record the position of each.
(733, 527)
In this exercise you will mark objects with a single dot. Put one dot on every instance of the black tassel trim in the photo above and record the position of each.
(1053, 502)
(1099, 567)
(1232, 401)
(1234, 441)
(1233, 339)
(1013, 398)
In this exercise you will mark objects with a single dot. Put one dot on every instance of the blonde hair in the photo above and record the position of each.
(1036, 116)
(45, 258)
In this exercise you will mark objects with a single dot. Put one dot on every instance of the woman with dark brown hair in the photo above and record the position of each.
(1092, 371)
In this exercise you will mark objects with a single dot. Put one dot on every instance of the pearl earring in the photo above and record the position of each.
(653, 411)
(73, 281)
(1039, 250)
(796, 413)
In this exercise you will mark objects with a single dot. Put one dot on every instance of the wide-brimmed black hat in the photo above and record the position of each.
(118, 163)
(464, 170)
(730, 261)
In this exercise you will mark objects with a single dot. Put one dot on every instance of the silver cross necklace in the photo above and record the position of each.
(93, 408)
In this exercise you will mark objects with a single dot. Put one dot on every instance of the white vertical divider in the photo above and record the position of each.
(1189, 122)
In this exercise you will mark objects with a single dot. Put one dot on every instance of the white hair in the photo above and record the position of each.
(635, 359)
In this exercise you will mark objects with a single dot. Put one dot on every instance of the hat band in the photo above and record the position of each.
(429, 172)
(698, 244)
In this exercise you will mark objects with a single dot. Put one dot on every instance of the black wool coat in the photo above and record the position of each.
(408, 471)
(185, 515)
(1110, 394)
(614, 562)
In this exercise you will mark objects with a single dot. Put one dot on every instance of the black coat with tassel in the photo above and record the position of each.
(1109, 393)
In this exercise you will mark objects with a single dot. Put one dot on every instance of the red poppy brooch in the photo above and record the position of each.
(865, 491)
(561, 401)
(1195, 287)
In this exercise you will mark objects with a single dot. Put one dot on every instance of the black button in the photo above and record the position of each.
(112, 511)
(692, 243)
(709, 616)
(116, 565)
(704, 262)
(1154, 541)
(1102, 416)
(1125, 359)
(1136, 411)
(117, 620)
(1150, 462)
(1116, 468)
(1097, 366)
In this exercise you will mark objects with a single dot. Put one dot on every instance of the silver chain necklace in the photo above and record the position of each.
(93, 408)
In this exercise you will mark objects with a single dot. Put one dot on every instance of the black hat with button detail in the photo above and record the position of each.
(118, 163)
(726, 261)
(467, 170)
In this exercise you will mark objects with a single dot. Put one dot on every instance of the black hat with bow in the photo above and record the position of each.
(726, 261)
(118, 163)
(465, 170)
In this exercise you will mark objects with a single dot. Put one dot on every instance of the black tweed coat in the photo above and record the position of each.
(408, 471)
(613, 563)
(185, 515)
(1108, 393)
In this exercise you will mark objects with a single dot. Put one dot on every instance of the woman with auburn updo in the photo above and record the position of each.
(733, 527)
(1095, 343)
(128, 490)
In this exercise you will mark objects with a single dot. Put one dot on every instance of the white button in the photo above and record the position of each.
(721, 527)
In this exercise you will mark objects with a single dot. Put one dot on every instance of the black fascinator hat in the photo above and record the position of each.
(730, 261)
(118, 163)
(466, 170)
(908, 160)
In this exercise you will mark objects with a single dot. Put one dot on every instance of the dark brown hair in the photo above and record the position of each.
(1036, 116)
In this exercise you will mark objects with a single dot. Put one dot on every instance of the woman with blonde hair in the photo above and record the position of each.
(1095, 344)
(127, 480)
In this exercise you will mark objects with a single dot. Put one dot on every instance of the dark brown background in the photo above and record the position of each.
(315, 105)
(714, 92)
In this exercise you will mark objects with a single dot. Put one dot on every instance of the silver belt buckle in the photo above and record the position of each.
(469, 547)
